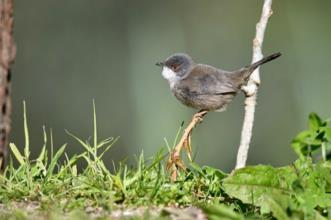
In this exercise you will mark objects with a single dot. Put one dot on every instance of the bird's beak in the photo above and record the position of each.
(160, 64)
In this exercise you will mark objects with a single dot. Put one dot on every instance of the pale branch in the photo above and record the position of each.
(252, 86)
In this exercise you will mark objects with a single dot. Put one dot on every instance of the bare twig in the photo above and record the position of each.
(7, 54)
(252, 86)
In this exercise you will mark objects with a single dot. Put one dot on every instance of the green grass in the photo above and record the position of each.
(49, 187)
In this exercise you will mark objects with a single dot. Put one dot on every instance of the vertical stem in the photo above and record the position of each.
(7, 54)
(252, 86)
(323, 148)
(246, 133)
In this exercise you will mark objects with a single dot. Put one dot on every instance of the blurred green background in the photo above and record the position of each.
(71, 52)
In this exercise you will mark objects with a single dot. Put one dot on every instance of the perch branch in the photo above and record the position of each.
(252, 86)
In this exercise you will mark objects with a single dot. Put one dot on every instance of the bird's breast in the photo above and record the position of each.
(170, 75)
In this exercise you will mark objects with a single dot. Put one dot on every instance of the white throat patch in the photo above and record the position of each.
(170, 75)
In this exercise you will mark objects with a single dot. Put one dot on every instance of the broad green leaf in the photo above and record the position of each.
(311, 186)
(210, 171)
(315, 122)
(250, 184)
(299, 145)
(307, 142)
(269, 204)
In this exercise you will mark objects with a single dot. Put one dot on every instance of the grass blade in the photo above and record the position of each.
(17, 153)
(26, 133)
(108, 147)
(86, 146)
(95, 138)
(54, 160)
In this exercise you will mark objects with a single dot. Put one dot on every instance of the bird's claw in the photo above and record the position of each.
(174, 160)
(174, 164)
(199, 116)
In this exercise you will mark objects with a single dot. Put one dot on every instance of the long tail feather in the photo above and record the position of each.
(264, 60)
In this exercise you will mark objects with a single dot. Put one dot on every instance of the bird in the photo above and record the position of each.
(203, 87)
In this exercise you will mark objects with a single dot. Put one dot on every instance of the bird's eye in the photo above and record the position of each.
(174, 67)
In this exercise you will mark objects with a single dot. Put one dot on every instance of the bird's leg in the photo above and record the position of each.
(187, 146)
(197, 118)
(175, 161)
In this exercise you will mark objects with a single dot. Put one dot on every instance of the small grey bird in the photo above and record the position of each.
(205, 87)
(202, 87)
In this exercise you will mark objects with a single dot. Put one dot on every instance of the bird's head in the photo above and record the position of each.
(176, 66)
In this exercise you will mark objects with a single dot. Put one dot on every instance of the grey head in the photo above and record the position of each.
(178, 63)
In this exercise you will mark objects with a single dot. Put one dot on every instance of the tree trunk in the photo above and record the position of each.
(7, 55)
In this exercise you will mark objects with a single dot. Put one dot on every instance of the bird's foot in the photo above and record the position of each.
(198, 117)
(174, 164)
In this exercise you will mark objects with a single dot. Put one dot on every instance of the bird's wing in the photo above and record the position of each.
(207, 80)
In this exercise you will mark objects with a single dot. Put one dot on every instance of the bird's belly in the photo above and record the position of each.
(208, 102)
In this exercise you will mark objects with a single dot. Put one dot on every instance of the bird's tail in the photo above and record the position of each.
(241, 76)
(264, 60)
